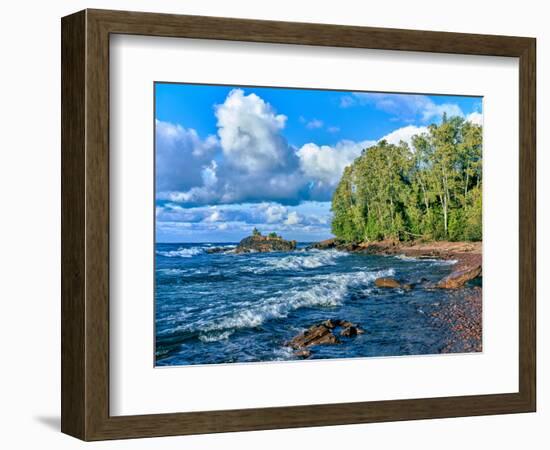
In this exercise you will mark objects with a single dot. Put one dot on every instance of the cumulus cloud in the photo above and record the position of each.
(476, 118)
(293, 218)
(407, 107)
(215, 216)
(273, 212)
(333, 129)
(325, 164)
(433, 111)
(180, 155)
(249, 130)
(404, 134)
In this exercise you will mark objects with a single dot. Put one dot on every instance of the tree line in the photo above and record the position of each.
(432, 191)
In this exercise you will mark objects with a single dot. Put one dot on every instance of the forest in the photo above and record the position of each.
(432, 191)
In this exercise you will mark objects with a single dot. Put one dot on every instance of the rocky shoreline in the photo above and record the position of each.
(467, 255)
(462, 315)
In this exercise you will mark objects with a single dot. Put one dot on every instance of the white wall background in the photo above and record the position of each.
(30, 223)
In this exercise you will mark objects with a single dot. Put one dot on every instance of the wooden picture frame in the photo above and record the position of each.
(85, 224)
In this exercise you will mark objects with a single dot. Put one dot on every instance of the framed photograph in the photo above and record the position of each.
(272, 225)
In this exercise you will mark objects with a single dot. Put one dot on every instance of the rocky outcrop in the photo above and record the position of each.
(214, 250)
(262, 244)
(327, 244)
(388, 282)
(322, 334)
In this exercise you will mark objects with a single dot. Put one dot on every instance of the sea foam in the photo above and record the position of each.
(311, 260)
(323, 290)
(181, 252)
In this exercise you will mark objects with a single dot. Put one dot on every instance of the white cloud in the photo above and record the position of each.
(274, 212)
(476, 118)
(325, 164)
(333, 129)
(249, 130)
(174, 134)
(208, 174)
(180, 155)
(293, 218)
(406, 107)
(346, 101)
(431, 111)
(314, 123)
(404, 134)
(216, 216)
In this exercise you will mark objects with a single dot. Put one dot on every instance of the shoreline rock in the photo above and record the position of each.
(458, 278)
(389, 282)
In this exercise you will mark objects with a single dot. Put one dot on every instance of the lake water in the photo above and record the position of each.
(226, 307)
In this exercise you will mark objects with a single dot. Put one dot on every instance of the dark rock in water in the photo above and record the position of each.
(324, 245)
(303, 353)
(351, 331)
(387, 283)
(218, 250)
(459, 278)
(314, 335)
(262, 244)
(323, 334)
(331, 323)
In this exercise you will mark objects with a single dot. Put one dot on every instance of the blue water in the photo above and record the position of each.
(226, 307)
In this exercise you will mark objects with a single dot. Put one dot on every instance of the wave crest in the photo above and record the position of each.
(325, 290)
(313, 260)
(180, 252)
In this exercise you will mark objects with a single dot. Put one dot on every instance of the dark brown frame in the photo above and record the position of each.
(85, 224)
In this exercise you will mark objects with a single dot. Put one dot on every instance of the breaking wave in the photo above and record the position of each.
(312, 260)
(181, 252)
(322, 291)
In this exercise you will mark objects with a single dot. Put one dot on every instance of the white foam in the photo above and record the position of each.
(181, 252)
(172, 271)
(214, 337)
(325, 290)
(283, 354)
(313, 260)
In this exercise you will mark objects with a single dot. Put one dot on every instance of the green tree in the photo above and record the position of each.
(430, 191)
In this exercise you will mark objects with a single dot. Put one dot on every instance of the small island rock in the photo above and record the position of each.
(262, 244)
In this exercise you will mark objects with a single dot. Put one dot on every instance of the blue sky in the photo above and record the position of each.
(230, 158)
